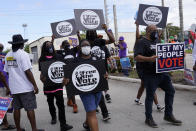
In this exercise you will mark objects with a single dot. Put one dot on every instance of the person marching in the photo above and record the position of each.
(4, 89)
(53, 92)
(68, 54)
(99, 51)
(90, 100)
(145, 53)
(140, 74)
(21, 82)
(194, 55)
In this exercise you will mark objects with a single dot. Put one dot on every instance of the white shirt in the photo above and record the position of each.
(194, 53)
(16, 63)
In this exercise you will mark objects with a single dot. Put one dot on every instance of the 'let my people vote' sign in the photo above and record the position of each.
(170, 57)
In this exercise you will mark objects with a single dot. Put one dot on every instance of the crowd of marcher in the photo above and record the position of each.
(23, 88)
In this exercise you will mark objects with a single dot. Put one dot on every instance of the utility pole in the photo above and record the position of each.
(24, 26)
(181, 20)
(164, 30)
(115, 22)
(106, 13)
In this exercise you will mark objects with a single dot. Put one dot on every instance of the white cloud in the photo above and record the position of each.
(129, 7)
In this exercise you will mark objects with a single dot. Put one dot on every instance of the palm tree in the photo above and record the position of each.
(181, 20)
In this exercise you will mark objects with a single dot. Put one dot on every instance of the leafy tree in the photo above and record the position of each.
(7, 50)
(26, 48)
(172, 30)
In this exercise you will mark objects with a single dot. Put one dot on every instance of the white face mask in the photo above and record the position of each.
(86, 50)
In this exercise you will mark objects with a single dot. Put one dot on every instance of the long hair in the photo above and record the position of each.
(44, 52)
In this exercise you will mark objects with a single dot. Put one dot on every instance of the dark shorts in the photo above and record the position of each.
(90, 101)
(24, 100)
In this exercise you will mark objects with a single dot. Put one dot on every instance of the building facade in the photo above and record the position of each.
(35, 46)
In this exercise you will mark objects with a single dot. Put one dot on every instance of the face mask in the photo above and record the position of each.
(154, 35)
(86, 50)
(50, 50)
(67, 47)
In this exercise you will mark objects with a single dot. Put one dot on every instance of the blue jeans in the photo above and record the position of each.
(151, 83)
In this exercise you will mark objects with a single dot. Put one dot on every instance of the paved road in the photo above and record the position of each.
(126, 116)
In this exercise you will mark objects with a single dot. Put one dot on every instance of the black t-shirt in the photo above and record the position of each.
(66, 54)
(100, 51)
(146, 48)
(47, 87)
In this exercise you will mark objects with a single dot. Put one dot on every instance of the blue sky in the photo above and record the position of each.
(38, 14)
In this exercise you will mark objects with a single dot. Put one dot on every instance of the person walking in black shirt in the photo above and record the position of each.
(68, 54)
(48, 54)
(145, 53)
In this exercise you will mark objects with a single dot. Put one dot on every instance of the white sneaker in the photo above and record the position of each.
(160, 108)
(138, 102)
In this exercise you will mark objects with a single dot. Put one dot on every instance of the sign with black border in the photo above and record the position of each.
(85, 77)
(89, 19)
(152, 15)
(64, 28)
(53, 72)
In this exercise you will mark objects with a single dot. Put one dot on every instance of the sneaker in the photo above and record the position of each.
(106, 117)
(151, 123)
(138, 102)
(97, 111)
(66, 127)
(75, 108)
(173, 120)
(108, 98)
(86, 126)
(69, 103)
(53, 121)
(160, 108)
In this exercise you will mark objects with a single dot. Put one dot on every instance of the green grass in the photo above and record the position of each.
(188, 51)
(176, 76)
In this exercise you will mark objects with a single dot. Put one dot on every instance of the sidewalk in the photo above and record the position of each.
(177, 86)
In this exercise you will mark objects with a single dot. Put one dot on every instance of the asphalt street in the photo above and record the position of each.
(125, 114)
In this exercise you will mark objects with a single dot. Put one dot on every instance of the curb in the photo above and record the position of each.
(132, 80)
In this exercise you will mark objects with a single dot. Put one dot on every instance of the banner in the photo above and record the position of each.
(152, 15)
(73, 41)
(64, 28)
(89, 19)
(4, 105)
(85, 77)
(170, 57)
(188, 76)
(53, 71)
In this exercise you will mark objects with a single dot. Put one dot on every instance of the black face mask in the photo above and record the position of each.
(50, 50)
(67, 47)
(154, 35)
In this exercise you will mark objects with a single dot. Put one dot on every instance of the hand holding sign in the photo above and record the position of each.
(65, 81)
(104, 26)
(153, 58)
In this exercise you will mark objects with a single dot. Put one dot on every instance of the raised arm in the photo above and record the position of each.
(109, 34)
(137, 30)
(78, 35)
